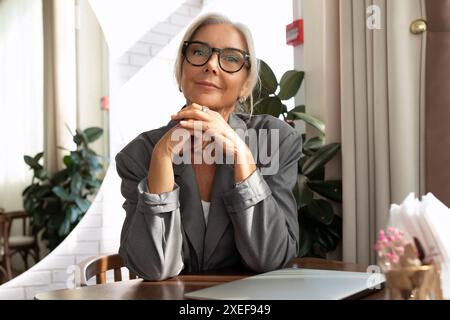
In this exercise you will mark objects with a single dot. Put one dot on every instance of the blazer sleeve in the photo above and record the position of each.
(263, 211)
(151, 239)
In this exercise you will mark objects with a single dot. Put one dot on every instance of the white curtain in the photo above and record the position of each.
(60, 82)
(21, 100)
(365, 80)
(381, 117)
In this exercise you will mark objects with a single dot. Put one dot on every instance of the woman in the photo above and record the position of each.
(208, 215)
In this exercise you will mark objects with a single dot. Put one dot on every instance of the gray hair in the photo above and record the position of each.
(215, 18)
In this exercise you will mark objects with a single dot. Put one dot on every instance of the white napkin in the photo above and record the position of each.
(428, 221)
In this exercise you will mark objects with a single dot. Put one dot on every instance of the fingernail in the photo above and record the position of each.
(183, 122)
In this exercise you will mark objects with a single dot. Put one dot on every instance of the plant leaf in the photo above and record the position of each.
(290, 83)
(68, 161)
(268, 80)
(309, 119)
(335, 227)
(269, 105)
(83, 204)
(331, 189)
(306, 235)
(314, 143)
(38, 156)
(64, 228)
(72, 213)
(327, 240)
(93, 133)
(320, 158)
(76, 183)
(30, 162)
(304, 194)
(320, 211)
(61, 193)
(300, 109)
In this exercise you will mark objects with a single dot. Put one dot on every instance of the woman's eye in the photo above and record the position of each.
(199, 52)
(229, 58)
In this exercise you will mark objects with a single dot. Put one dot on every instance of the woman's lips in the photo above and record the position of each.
(208, 84)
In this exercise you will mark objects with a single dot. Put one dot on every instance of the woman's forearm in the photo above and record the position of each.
(160, 176)
(245, 164)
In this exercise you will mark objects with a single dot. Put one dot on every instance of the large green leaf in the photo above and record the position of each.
(290, 83)
(78, 137)
(296, 109)
(326, 240)
(314, 143)
(335, 227)
(268, 80)
(320, 211)
(269, 105)
(72, 213)
(93, 133)
(64, 228)
(76, 183)
(309, 119)
(31, 162)
(60, 176)
(68, 161)
(305, 195)
(42, 174)
(320, 158)
(38, 156)
(306, 235)
(61, 193)
(331, 189)
(83, 204)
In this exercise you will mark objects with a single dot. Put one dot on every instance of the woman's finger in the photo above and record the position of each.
(195, 125)
(195, 114)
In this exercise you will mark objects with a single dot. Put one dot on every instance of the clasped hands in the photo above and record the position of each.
(209, 126)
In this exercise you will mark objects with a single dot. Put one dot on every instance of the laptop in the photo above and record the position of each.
(295, 284)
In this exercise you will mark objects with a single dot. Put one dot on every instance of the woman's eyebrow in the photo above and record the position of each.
(221, 47)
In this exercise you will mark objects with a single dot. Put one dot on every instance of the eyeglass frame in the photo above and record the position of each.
(219, 51)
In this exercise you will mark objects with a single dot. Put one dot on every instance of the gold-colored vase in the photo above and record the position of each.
(414, 283)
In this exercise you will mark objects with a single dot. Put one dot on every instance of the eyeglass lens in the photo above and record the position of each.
(230, 60)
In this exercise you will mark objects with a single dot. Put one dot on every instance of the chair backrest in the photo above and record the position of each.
(5, 265)
(5, 228)
(21, 215)
(98, 266)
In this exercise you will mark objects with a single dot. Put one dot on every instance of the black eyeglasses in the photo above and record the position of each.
(231, 60)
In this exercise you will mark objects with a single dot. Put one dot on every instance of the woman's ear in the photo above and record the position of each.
(245, 90)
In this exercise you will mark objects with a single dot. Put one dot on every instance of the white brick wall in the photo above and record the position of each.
(90, 238)
(154, 40)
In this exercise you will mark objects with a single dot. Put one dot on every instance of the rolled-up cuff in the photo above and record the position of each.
(248, 193)
(157, 203)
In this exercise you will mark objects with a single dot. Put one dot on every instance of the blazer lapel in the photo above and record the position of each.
(191, 209)
(218, 219)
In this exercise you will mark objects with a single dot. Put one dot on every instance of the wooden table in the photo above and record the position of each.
(176, 287)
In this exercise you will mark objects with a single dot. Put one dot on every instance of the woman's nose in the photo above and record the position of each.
(213, 63)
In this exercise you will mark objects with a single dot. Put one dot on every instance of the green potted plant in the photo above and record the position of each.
(320, 227)
(57, 202)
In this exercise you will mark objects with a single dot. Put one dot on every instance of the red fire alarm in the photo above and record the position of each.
(294, 33)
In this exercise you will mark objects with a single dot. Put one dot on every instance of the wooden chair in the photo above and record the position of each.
(5, 257)
(24, 244)
(98, 266)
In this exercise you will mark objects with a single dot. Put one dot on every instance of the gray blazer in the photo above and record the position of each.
(253, 224)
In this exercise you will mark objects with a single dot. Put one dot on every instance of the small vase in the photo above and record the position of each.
(414, 283)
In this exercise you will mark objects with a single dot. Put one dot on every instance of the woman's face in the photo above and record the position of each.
(209, 85)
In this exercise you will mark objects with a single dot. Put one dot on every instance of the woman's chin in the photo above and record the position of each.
(210, 103)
